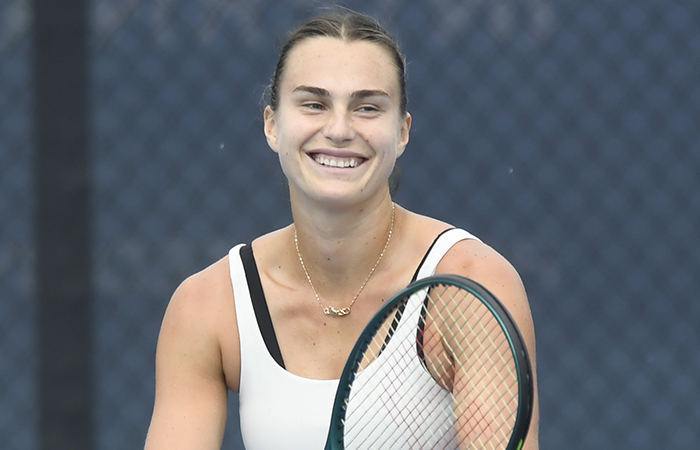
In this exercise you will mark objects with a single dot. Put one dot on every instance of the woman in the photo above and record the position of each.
(337, 120)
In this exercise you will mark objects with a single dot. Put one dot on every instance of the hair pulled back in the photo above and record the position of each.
(349, 26)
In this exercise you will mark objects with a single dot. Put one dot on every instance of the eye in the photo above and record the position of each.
(313, 106)
(368, 110)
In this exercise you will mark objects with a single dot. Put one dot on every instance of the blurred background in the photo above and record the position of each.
(564, 133)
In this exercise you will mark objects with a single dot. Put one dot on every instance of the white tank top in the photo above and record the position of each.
(280, 410)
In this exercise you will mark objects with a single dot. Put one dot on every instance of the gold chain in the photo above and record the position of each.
(330, 310)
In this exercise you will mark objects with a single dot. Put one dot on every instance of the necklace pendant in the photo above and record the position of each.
(331, 311)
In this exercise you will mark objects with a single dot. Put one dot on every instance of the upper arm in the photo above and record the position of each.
(484, 265)
(191, 393)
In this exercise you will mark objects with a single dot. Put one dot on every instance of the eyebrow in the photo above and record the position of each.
(313, 90)
(365, 93)
(358, 95)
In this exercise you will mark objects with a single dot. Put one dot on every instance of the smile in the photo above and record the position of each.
(335, 161)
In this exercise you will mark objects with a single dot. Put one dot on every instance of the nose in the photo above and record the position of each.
(339, 128)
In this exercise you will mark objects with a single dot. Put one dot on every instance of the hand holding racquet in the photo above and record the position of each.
(441, 366)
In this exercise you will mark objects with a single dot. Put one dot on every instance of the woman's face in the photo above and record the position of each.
(338, 128)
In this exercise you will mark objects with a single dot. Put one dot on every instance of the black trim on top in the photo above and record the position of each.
(257, 298)
(402, 307)
(424, 310)
(415, 275)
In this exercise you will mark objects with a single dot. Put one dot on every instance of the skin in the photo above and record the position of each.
(339, 100)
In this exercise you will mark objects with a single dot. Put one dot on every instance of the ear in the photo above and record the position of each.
(270, 128)
(404, 133)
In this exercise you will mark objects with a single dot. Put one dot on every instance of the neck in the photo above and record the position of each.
(340, 247)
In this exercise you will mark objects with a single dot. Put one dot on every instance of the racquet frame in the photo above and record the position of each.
(500, 313)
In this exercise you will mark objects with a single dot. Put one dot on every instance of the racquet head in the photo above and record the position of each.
(442, 365)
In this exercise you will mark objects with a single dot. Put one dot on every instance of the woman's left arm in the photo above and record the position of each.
(475, 260)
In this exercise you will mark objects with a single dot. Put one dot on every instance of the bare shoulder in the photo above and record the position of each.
(201, 297)
(476, 260)
(198, 320)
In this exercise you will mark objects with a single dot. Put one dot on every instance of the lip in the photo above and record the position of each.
(336, 152)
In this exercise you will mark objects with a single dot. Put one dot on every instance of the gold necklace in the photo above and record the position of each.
(330, 310)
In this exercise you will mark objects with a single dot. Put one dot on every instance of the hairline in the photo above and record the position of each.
(339, 26)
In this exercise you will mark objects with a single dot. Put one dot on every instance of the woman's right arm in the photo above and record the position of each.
(191, 392)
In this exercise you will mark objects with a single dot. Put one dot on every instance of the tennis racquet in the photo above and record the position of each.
(442, 365)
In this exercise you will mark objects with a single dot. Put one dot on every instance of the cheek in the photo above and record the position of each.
(385, 139)
(292, 133)
(288, 168)
(289, 141)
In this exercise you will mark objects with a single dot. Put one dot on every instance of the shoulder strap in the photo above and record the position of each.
(251, 318)
(440, 247)
(257, 298)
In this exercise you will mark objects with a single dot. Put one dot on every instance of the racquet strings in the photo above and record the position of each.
(438, 371)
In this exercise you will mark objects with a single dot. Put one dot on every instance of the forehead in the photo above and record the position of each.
(337, 65)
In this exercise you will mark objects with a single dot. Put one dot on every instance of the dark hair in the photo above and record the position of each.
(349, 26)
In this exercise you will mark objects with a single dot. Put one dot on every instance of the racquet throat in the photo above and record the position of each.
(330, 310)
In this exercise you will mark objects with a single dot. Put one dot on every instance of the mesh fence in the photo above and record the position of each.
(563, 133)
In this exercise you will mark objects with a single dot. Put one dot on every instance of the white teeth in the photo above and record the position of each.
(336, 162)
